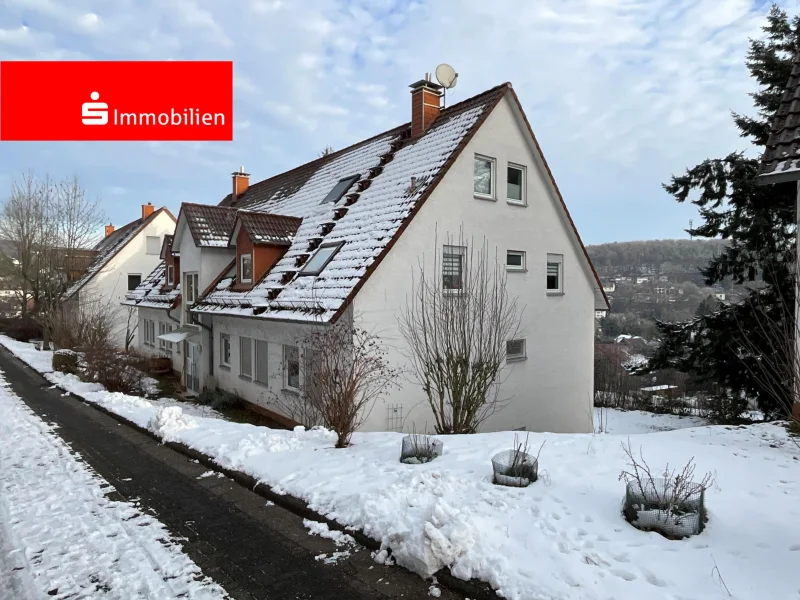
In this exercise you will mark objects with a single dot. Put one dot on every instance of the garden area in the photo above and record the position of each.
(635, 512)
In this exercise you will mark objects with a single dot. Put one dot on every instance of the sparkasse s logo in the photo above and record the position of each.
(94, 113)
(125, 101)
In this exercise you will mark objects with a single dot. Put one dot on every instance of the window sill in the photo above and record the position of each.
(288, 390)
(482, 197)
(514, 359)
(245, 377)
(554, 293)
(517, 203)
(516, 270)
(261, 384)
(225, 367)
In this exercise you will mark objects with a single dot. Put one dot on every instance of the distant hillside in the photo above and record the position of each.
(680, 260)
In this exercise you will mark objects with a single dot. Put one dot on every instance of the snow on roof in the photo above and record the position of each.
(265, 228)
(107, 249)
(210, 225)
(781, 159)
(151, 294)
(365, 220)
(658, 388)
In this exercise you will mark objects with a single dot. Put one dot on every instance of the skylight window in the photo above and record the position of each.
(340, 188)
(321, 259)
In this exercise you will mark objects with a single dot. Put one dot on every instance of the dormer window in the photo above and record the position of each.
(340, 188)
(246, 268)
(170, 274)
(321, 259)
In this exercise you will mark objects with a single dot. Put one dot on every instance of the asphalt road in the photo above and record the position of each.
(253, 550)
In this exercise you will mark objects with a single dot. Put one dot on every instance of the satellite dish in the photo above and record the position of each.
(446, 76)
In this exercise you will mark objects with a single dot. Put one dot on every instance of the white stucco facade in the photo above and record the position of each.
(159, 318)
(110, 284)
(552, 388)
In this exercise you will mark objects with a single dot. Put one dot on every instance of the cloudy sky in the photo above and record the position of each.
(620, 93)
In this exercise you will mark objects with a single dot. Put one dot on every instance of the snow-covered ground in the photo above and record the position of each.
(563, 537)
(611, 420)
(62, 537)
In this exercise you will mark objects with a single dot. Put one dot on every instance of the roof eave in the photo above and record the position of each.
(778, 177)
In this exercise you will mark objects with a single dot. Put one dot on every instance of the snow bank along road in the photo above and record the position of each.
(66, 533)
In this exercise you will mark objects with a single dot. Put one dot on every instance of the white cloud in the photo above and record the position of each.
(621, 93)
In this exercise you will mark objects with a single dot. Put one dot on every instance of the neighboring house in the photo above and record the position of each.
(157, 299)
(781, 163)
(600, 314)
(342, 236)
(124, 257)
(609, 286)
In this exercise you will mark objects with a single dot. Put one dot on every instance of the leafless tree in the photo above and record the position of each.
(43, 225)
(346, 371)
(457, 336)
(768, 347)
(131, 325)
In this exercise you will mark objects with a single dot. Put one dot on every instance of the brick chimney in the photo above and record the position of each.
(241, 181)
(147, 210)
(109, 229)
(425, 104)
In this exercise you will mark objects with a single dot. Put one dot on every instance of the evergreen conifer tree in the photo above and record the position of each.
(758, 221)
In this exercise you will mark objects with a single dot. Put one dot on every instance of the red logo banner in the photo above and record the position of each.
(116, 101)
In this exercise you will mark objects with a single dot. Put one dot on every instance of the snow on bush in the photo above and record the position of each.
(168, 421)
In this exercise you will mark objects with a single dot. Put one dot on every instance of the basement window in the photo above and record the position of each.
(515, 350)
(340, 188)
(321, 258)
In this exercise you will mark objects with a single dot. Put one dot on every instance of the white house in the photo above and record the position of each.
(341, 237)
(125, 256)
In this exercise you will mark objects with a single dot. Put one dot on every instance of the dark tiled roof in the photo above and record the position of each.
(396, 175)
(151, 294)
(781, 159)
(265, 228)
(210, 225)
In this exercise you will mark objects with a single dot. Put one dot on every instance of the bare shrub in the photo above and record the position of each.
(420, 448)
(117, 371)
(667, 499)
(456, 325)
(346, 371)
(65, 361)
(88, 325)
(768, 343)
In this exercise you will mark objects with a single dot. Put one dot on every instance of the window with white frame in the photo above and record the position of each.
(555, 273)
(291, 367)
(515, 184)
(515, 260)
(262, 372)
(484, 176)
(225, 349)
(162, 329)
(134, 280)
(245, 356)
(453, 259)
(170, 274)
(246, 268)
(189, 294)
(515, 349)
(153, 244)
(149, 332)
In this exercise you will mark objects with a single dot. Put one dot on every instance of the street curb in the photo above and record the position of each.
(474, 589)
